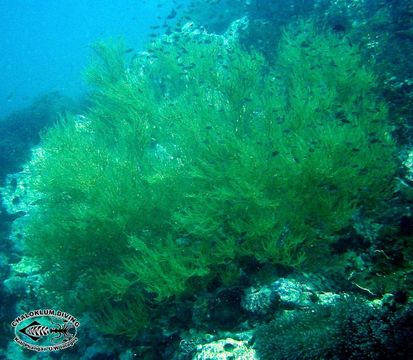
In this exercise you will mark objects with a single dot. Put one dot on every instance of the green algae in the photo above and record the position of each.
(197, 154)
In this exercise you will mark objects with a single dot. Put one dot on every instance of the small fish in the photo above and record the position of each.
(282, 237)
(190, 66)
(242, 238)
(172, 14)
(128, 51)
(280, 120)
(330, 187)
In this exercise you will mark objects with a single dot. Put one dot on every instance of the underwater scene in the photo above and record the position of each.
(206, 179)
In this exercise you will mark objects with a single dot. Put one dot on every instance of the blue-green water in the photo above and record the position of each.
(222, 179)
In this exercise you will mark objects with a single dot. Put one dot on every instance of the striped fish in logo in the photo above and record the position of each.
(37, 330)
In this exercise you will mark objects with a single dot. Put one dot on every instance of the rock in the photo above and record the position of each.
(225, 349)
(293, 294)
(259, 301)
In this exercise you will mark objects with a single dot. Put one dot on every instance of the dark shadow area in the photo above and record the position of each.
(20, 131)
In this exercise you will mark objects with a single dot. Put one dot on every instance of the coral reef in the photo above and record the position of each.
(198, 154)
(20, 130)
(351, 329)
(175, 216)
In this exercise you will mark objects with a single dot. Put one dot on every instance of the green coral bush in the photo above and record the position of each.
(196, 154)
